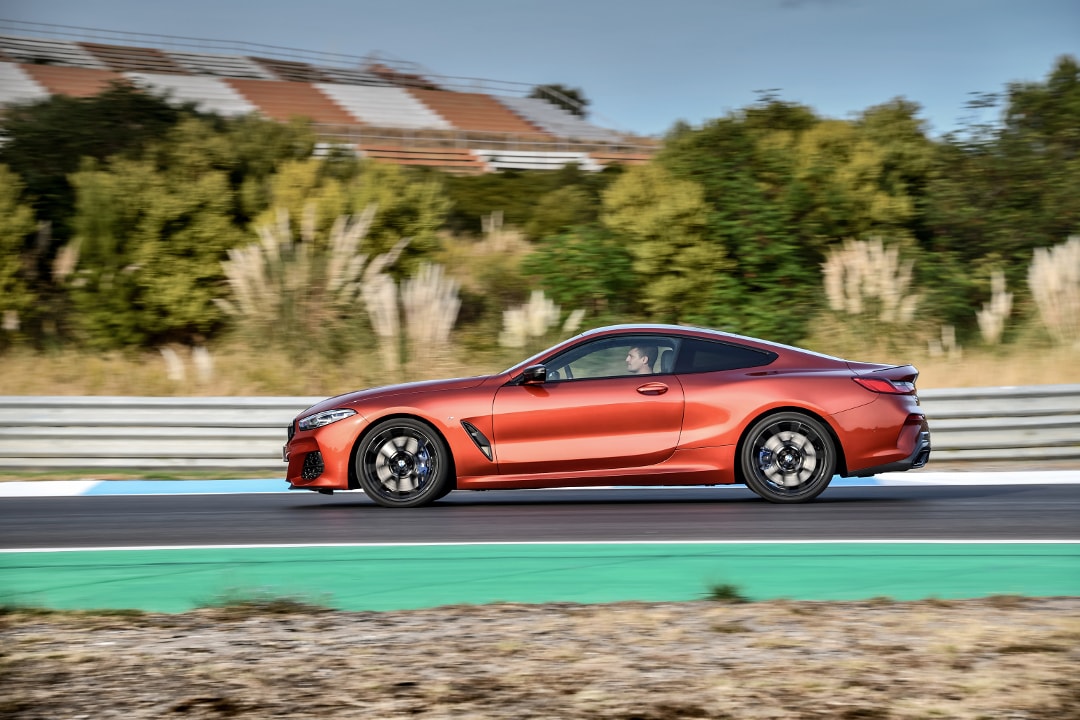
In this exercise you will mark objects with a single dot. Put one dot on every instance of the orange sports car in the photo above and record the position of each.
(621, 405)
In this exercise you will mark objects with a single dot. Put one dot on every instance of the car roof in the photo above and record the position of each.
(675, 330)
(648, 328)
(696, 331)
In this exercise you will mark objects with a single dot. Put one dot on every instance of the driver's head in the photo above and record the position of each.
(640, 358)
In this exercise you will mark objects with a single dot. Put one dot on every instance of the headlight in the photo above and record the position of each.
(324, 418)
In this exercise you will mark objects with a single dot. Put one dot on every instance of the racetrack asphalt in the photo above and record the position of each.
(143, 544)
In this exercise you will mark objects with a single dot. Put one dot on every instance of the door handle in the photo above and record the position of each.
(653, 388)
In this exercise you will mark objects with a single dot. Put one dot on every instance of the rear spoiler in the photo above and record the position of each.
(893, 373)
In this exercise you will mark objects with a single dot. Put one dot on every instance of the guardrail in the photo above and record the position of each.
(246, 434)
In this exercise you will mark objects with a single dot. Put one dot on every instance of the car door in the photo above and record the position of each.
(602, 421)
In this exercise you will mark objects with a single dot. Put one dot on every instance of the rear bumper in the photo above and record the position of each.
(918, 458)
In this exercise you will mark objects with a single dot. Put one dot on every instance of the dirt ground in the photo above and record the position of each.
(1000, 657)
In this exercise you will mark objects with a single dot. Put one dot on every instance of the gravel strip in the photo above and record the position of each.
(1000, 657)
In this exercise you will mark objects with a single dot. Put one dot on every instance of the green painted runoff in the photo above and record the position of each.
(404, 577)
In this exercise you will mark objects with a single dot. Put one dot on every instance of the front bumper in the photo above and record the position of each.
(319, 459)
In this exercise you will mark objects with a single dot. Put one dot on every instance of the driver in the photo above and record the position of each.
(640, 358)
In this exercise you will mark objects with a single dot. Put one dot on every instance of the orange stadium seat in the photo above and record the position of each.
(281, 100)
(475, 112)
(73, 81)
(454, 160)
(620, 158)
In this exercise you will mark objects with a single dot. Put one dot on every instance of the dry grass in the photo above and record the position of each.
(1054, 277)
(1028, 366)
(239, 371)
(865, 276)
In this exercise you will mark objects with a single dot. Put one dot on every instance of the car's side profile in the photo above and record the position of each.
(710, 408)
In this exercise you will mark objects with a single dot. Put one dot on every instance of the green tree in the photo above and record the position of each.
(907, 157)
(16, 223)
(520, 196)
(560, 210)
(1042, 138)
(150, 246)
(663, 222)
(590, 268)
(999, 190)
(407, 205)
(249, 149)
(45, 141)
(1011, 187)
(772, 286)
(783, 187)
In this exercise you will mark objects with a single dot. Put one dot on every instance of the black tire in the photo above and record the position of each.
(788, 457)
(403, 463)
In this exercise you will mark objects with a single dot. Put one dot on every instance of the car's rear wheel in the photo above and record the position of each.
(788, 457)
(403, 463)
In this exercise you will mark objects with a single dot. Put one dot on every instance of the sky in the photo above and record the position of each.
(646, 64)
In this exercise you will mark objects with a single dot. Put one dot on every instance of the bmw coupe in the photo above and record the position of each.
(622, 405)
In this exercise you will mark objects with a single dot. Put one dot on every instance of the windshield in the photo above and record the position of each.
(527, 362)
(535, 359)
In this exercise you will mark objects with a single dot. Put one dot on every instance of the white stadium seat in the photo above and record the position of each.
(208, 93)
(384, 106)
(18, 87)
(555, 120)
(49, 51)
(221, 65)
(535, 160)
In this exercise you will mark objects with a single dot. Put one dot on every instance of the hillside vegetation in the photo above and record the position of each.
(149, 249)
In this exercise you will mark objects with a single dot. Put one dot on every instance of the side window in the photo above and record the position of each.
(698, 356)
(614, 357)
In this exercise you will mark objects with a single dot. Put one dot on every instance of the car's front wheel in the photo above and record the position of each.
(403, 463)
(788, 457)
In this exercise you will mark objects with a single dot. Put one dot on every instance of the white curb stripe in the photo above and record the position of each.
(47, 488)
(1033, 477)
(543, 543)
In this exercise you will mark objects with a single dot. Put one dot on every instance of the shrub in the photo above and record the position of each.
(727, 593)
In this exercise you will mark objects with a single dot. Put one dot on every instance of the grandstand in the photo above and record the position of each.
(388, 110)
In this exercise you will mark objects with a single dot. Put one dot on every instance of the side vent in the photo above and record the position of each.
(479, 438)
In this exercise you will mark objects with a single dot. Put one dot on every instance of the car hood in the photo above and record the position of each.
(381, 394)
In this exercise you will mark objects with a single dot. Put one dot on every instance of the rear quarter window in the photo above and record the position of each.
(697, 356)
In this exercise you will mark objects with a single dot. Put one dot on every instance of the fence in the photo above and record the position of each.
(246, 434)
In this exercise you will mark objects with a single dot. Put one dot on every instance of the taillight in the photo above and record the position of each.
(887, 387)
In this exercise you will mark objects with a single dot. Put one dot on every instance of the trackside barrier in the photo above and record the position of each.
(246, 433)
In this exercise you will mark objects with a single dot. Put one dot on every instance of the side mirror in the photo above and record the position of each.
(534, 375)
